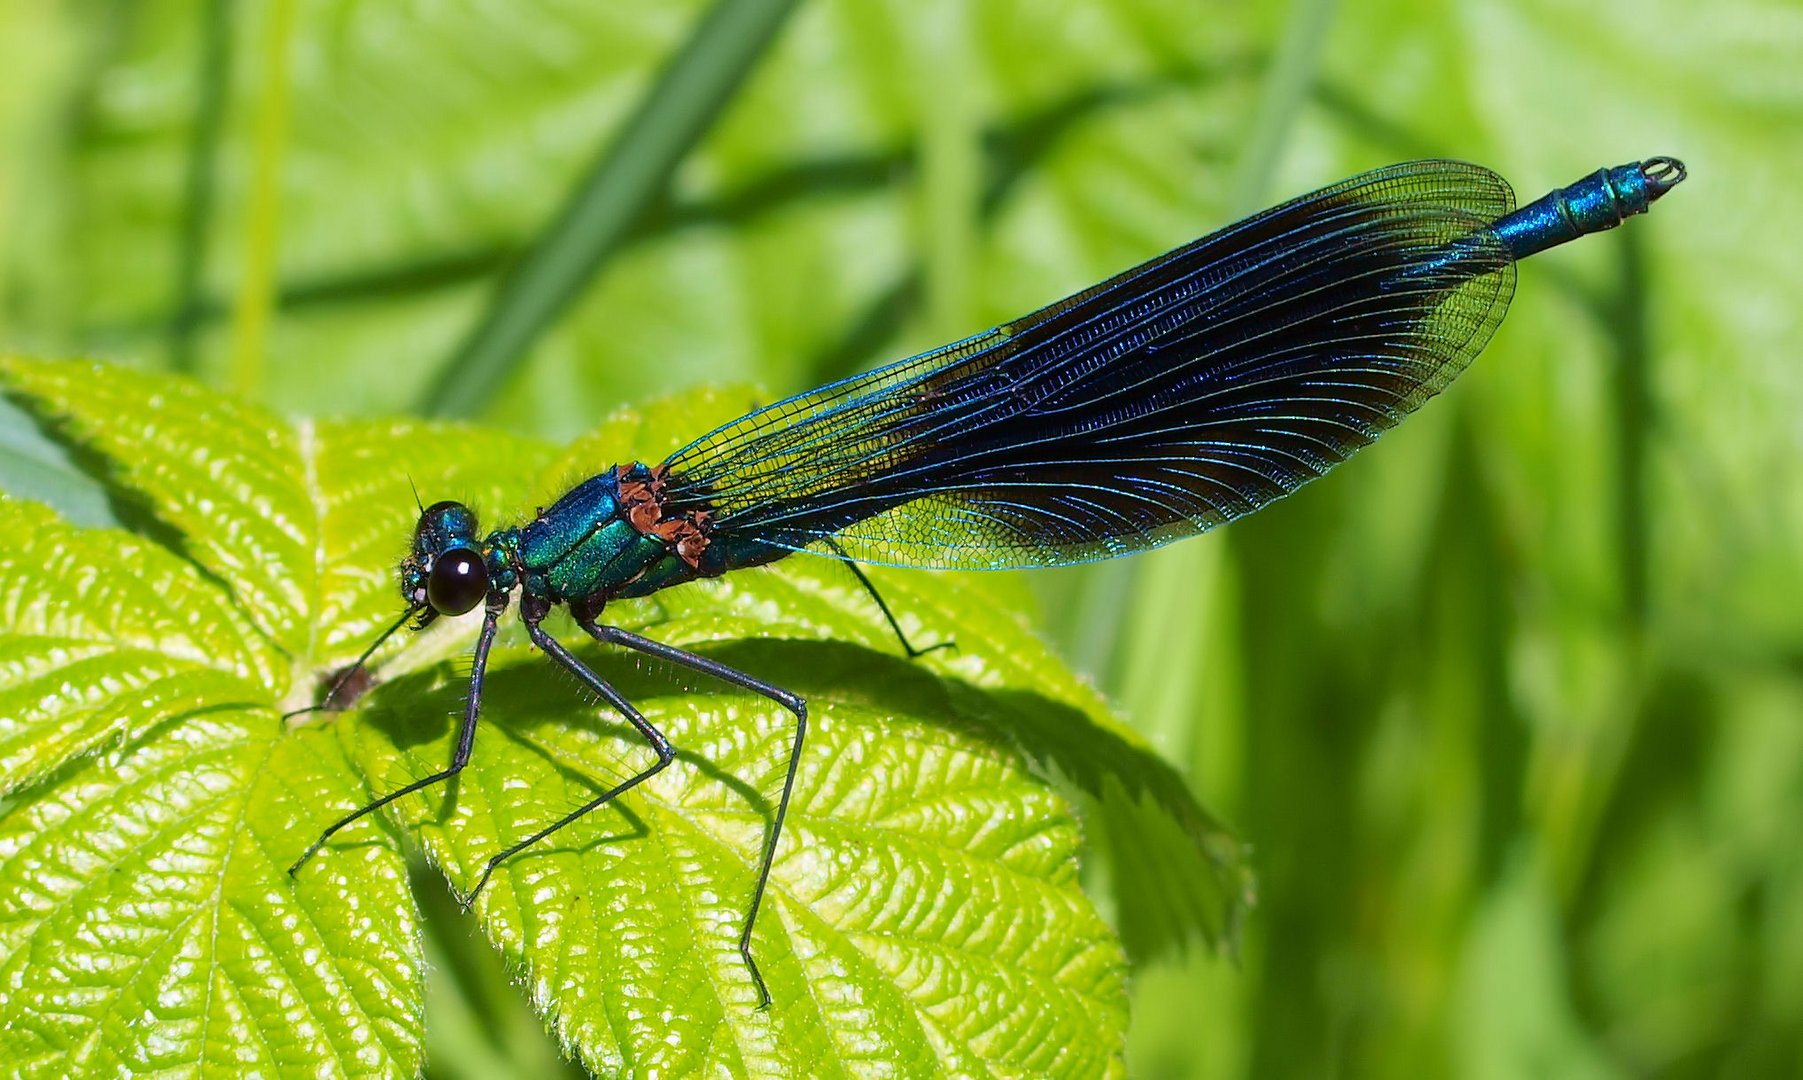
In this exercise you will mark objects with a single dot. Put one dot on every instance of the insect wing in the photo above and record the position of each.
(1174, 397)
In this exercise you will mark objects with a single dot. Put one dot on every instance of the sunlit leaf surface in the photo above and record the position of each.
(924, 914)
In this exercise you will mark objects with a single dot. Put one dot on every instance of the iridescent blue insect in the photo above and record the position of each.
(1167, 400)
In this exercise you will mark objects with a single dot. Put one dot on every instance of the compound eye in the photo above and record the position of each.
(458, 582)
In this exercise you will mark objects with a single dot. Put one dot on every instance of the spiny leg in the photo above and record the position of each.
(613, 635)
(665, 752)
(466, 736)
(870, 588)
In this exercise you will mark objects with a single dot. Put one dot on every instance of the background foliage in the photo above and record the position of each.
(1509, 707)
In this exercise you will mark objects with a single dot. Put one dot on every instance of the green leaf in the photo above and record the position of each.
(145, 923)
(148, 925)
(924, 896)
(107, 637)
(240, 503)
(924, 915)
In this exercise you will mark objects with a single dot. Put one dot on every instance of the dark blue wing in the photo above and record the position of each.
(1176, 396)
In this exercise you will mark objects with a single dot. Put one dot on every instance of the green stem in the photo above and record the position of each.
(951, 166)
(256, 296)
(628, 177)
(1287, 85)
(213, 76)
(1106, 612)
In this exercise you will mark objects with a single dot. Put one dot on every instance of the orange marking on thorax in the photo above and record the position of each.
(643, 501)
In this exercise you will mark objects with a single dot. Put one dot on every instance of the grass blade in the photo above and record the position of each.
(630, 174)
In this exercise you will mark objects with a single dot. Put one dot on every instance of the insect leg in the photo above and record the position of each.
(665, 752)
(613, 635)
(870, 588)
(466, 737)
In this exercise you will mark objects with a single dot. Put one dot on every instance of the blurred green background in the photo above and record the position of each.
(1510, 707)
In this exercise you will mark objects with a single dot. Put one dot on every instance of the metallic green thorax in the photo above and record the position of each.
(607, 537)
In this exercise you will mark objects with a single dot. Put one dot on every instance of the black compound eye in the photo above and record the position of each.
(458, 582)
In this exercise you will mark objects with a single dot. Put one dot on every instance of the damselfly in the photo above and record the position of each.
(1171, 398)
